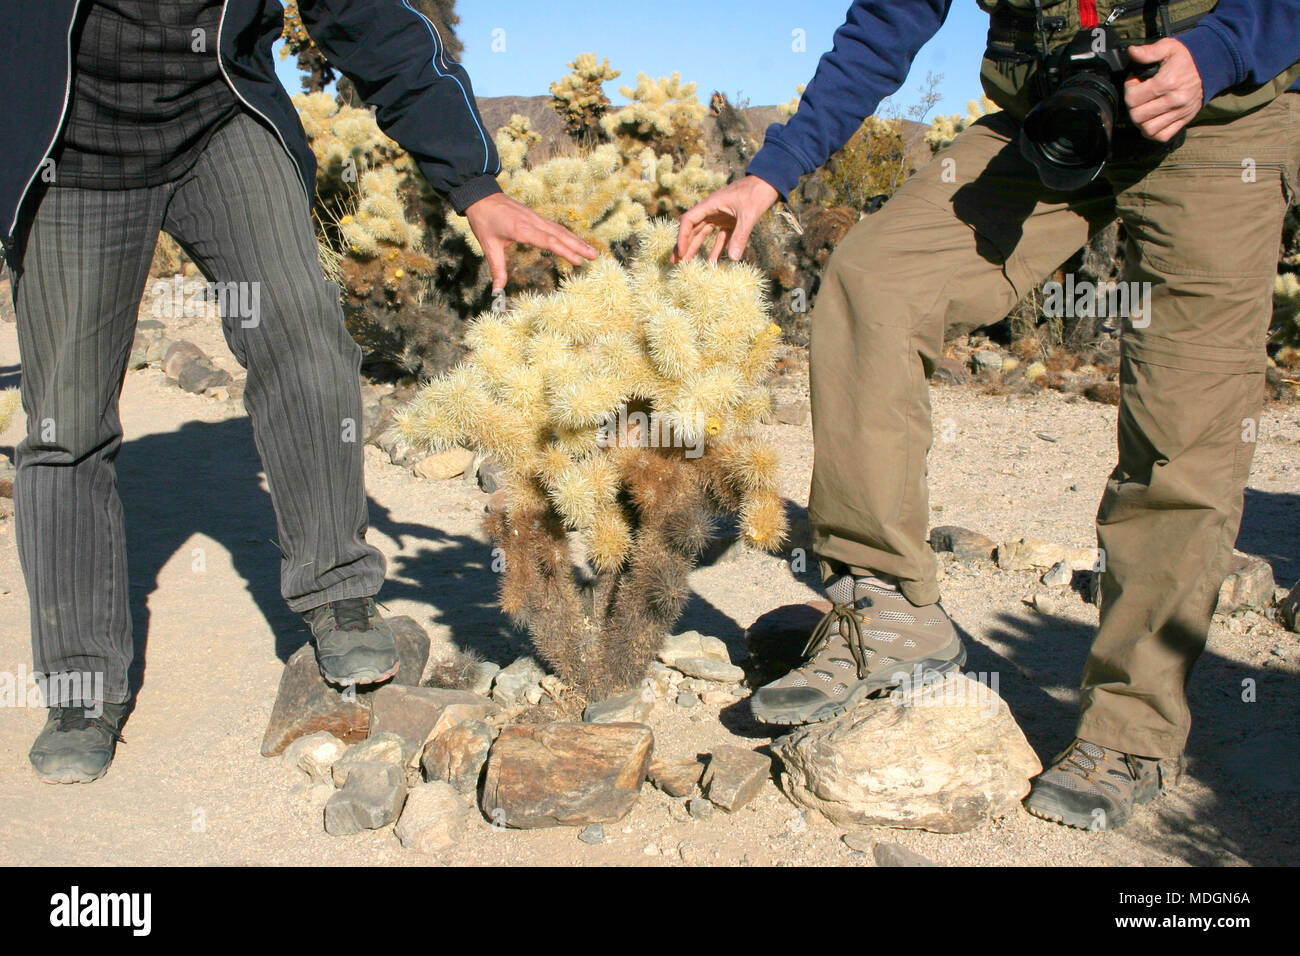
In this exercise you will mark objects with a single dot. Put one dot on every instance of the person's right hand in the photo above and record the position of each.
(732, 212)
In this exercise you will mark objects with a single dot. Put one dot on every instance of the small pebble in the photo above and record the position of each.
(593, 834)
(686, 699)
(699, 808)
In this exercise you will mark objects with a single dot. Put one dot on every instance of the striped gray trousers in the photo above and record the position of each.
(79, 268)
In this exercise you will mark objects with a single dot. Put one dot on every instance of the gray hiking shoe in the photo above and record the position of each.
(1091, 787)
(872, 639)
(354, 645)
(75, 748)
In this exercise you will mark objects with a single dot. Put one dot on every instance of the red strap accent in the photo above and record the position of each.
(1088, 14)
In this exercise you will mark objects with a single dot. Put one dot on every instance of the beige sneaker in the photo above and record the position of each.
(872, 639)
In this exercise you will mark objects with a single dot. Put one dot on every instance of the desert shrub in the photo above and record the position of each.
(623, 408)
(874, 163)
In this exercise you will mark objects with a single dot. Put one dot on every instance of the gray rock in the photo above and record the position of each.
(632, 707)
(1060, 575)
(399, 451)
(949, 371)
(434, 818)
(418, 714)
(661, 677)
(485, 673)
(593, 834)
(457, 755)
(199, 375)
(315, 755)
(371, 798)
(1288, 609)
(1249, 584)
(699, 808)
(686, 699)
(858, 842)
(491, 476)
(891, 854)
(791, 413)
(692, 644)
(968, 546)
(382, 749)
(946, 759)
(985, 361)
(179, 354)
(513, 683)
(734, 776)
(706, 668)
(1043, 603)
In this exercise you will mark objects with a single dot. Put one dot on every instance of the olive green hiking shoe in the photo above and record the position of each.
(1091, 787)
(872, 639)
(74, 747)
(354, 645)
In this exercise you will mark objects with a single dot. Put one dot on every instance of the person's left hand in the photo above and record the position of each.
(1163, 105)
(498, 220)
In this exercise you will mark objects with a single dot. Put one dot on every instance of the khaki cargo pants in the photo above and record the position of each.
(957, 246)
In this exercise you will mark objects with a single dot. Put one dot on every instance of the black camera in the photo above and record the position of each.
(1068, 136)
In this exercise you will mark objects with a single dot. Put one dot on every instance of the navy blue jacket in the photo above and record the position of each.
(394, 55)
(1240, 42)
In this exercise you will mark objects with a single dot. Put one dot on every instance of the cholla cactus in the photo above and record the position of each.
(664, 113)
(623, 407)
(790, 107)
(10, 401)
(1286, 310)
(944, 129)
(579, 97)
(603, 195)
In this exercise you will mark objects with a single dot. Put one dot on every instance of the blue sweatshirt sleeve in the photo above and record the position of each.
(1244, 41)
(869, 60)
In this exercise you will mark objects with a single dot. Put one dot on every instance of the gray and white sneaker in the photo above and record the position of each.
(75, 747)
(1090, 787)
(872, 639)
(354, 645)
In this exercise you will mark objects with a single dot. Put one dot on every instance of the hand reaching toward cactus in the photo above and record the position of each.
(498, 220)
(732, 211)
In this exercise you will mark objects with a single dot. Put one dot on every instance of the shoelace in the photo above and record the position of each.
(1082, 764)
(850, 627)
(74, 718)
(351, 614)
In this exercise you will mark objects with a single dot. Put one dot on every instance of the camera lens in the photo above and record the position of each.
(1067, 137)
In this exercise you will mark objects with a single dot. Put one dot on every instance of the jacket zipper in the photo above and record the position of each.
(229, 82)
(67, 95)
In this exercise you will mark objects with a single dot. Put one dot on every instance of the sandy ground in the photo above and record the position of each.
(189, 786)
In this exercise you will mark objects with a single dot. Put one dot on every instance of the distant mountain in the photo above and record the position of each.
(497, 110)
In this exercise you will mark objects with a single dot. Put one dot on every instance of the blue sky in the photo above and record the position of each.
(741, 47)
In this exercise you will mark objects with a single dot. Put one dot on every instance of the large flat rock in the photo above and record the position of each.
(565, 774)
(946, 760)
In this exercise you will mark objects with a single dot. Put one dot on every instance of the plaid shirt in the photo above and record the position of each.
(147, 93)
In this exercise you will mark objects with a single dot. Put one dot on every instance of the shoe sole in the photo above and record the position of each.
(1048, 807)
(791, 718)
(361, 679)
(68, 776)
